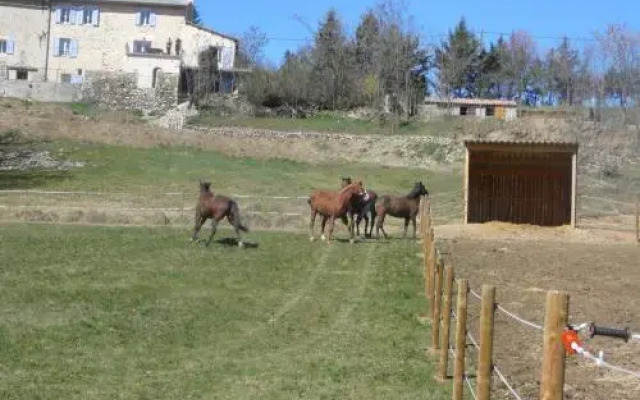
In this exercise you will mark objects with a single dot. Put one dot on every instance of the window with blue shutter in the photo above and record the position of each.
(146, 18)
(3, 46)
(73, 48)
(10, 46)
(96, 16)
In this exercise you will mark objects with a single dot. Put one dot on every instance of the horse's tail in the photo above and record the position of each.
(235, 217)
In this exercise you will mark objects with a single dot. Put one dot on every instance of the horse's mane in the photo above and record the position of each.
(344, 189)
(414, 193)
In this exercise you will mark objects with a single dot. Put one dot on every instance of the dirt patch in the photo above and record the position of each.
(601, 274)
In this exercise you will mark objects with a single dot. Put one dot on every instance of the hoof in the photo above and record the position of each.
(311, 239)
(352, 241)
(323, 238)
(240, 244)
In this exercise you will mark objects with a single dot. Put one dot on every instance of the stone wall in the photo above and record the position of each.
(41, 91)
(120, 91)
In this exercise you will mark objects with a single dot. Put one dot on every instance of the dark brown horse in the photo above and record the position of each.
(362, 207)
(406, 207)
(216, 207)
(331, 205)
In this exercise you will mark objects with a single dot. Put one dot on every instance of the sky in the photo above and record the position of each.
(280, 19)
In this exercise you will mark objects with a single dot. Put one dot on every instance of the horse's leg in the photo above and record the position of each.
(312, 223)
(332, 222)
(198, 225)
(233, 221)
(372, 223)
(358, 221)
(322, 228)
(406, 227)
(380, 225)
(413, 222)
(214, 228)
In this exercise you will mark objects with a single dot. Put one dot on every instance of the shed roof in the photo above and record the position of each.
(532, 145)
(472, 102)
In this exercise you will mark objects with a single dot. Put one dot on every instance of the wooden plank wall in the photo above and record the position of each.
(520, 188)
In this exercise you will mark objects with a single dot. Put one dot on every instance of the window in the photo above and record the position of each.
(491, 111)
(87, 16)
(141, 46)
(6, 46)
(65, 15)
(64, 45)
(146, 18)
(22, 74)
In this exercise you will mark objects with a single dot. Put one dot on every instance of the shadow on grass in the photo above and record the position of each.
(233, 242)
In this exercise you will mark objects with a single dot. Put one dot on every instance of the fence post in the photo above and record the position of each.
(638, 220)
(431, 267)
(553, 361)
(427, 280)
(486, 342)
(446, 325)
(437, 306)
(461, 340)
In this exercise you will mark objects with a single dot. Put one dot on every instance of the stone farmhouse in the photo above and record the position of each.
(122, 53)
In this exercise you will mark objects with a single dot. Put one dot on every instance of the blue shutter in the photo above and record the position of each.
(56, 46)
(73, 48)
(72, 16)
(10, 46)
(58, 15)
(139, 18)
(152, 19)
(96, 16)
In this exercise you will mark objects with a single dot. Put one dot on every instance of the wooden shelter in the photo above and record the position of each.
(521, 182)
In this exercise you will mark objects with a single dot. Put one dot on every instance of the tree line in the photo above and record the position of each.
(384, 63)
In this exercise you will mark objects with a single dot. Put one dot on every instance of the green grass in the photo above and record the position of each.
(160, 169)
(107, 313)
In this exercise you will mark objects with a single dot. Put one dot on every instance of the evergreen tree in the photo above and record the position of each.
(458, 60)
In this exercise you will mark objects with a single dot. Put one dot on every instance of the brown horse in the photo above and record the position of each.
(362, 207)
(216, 207)
(331, 205)
(406, 207)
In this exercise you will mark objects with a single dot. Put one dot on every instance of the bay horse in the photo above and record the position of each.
(406, 207)
(216, 207)
(331, 205)
(362, 207)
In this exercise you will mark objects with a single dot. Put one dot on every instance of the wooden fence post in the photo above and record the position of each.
(486, 342)
(638, 220)
(553, 361)
(431, 269)
(446, 326)
(437, 306)
(461, 340)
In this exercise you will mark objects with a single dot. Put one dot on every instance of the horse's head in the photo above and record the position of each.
(205, 187)
(346, 181)
(418, 190)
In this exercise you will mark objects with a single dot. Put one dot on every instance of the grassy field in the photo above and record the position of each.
(127, 313)
(157, 169)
